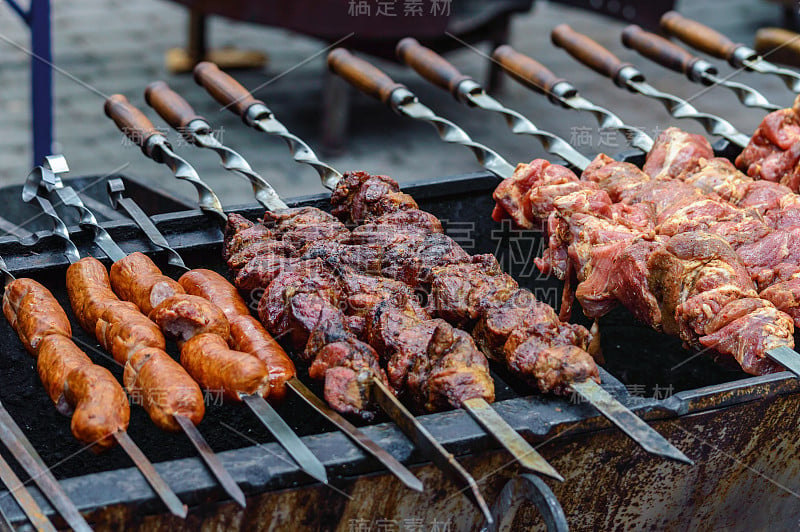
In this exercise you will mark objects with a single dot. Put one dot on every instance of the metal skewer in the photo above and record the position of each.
(467, 90)
(131, 121)
(195, 129)
(11, 481)
(46, 178)
(538, 77)
(229, 93)
(670, 55)
(479, 409)
(23, 497)
(707, 40)
(625, 75)
(639, 432)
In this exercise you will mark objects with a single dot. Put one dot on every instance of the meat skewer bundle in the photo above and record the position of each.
(380, 83)
(134, 124)
(171, 397)
(43, 328)
(87, 392)
(689, 283)
(529, 71)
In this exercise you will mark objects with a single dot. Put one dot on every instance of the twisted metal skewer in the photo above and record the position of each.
(261, 117)
(405, 102)
(632, 78)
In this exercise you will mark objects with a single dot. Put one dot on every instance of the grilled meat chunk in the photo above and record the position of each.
(773, 152)
(360, 196)
(681, 280)
(462, 293)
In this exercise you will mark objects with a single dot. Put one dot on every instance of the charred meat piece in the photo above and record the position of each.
(360, 196)
(297, 299)
(301, 225)
(462, 293)
(413, 259)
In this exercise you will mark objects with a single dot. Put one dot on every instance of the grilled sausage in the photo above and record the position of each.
(183, 316)
(101, 406)
(163, 388)
(34, 313)
(137, 279)
(214, 365)
(118, 325)
(210, 285)
(88, 392)
(247, 333)
(58, 356)
(150, 375)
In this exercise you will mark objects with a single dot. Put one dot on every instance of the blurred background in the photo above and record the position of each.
(101, 47)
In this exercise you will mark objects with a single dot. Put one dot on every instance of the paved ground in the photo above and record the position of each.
(118, 46)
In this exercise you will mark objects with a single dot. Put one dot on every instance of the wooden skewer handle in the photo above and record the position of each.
(698, 35)
(587, 51)
(658, 49)
(170, 105)
(223, 88)
(130, 120)
(430, 65)
(783, 46)
(364, 76)
(525, 69)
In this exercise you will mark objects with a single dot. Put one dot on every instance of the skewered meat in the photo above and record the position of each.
(135, 342)
(773, 152)
(137, 279)
(184, 316)
(209, 360)
(360, 196)
(77, 387)
(164, 388)
(415, 252)
(34, 313)
(674, 282)
(301, 307)
(247, 333)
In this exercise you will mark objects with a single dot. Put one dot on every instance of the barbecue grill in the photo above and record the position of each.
(604, 469)
(734, 426)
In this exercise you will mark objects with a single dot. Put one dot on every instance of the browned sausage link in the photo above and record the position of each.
(137, 279)
(163, 388)
(183, 316)
(118, 325)
(122, 330)
(89, 290)
(101, 406)
(210, 285)
(214, 365)
(151, 376)
(34, 313)
(87, 392)
(58, 356)
(247, 333)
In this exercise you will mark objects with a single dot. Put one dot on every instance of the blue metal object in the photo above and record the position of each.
(37, 18)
